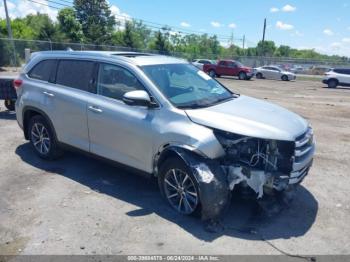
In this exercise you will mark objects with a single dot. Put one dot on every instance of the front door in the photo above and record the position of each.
(118, 131)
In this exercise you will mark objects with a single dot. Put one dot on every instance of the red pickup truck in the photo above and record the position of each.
(229, 68)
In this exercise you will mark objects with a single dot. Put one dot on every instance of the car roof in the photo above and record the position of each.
(136, 58)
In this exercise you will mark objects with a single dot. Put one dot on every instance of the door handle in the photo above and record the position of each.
(95, 109)
(48, 94)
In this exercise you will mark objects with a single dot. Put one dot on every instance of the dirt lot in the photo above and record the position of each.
(79, 205)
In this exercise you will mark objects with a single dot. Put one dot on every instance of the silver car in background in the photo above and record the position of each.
(163, 117)
(199, 63)
(273, 72)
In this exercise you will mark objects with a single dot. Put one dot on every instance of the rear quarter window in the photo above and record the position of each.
(44, 70)
(76, 74)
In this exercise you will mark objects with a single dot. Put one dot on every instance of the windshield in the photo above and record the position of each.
(186, 86)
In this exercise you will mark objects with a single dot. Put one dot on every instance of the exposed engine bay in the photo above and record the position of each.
(262, 165)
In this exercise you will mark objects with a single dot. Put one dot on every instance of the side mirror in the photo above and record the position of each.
(137, 98)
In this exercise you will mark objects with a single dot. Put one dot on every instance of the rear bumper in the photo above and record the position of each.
(7, 91)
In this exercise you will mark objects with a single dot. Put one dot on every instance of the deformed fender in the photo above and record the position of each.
(212, 181)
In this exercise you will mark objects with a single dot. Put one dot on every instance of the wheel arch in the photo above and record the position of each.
(28, 113)
(334, 79)
(212, 182)
(185, 152)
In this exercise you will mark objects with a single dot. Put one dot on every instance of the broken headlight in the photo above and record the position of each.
(255, 153)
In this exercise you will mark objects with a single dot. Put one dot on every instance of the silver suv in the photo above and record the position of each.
(166, 118)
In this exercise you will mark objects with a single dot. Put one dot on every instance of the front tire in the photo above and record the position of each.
(332, 83)
(212, 74)
(284, 78)
(10, 104)
(42, 138)
(242, 76)
(179, 187)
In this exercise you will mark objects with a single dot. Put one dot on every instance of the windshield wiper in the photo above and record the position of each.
(192, 106)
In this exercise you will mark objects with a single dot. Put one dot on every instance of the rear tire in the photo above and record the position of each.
(242, 76)
(259, 76)
(42, 138)
(10, 104)
(179, 187)
(332, 83)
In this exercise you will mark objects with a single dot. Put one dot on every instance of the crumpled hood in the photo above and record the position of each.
(251, 117)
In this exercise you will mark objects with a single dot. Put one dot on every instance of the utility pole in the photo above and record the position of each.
(243, 41)
(263, 39)
(232, 43)
(9, 31)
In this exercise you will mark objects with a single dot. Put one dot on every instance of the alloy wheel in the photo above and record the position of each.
(40, 138)
(180, 191)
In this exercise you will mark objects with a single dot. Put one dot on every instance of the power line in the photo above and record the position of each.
(69, 2)
(175, 27)
(54, 7)
(58, 3)
(151, 24)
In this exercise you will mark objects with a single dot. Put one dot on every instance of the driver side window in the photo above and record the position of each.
(114, 81)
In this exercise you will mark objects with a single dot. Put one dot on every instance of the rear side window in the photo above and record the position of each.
(204, 62)
(44, 70)
(75, 74)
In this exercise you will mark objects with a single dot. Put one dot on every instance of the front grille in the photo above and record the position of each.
(304, 150)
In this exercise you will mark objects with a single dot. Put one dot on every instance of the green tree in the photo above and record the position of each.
(266, 48)
(283, 50)
(160, 43)
(43, 27)
(69, 25)
(96, 20)
(129, 35)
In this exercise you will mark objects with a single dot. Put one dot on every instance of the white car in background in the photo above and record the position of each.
(200, 62)
(337, 77)
(273, 72)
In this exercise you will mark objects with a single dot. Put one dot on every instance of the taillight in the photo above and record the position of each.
(17, 83)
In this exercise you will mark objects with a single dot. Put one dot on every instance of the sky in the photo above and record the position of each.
(303, 24)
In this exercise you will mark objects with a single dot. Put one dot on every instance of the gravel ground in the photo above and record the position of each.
(79, 205)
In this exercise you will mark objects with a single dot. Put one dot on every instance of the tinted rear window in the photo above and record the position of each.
(76, 74)
(44, 70)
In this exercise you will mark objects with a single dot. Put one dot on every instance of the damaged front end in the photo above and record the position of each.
(264, 165)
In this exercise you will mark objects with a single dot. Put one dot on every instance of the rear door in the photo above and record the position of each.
(118, 131)
(275, 73)
(269, 73)
(343, 75)
(74, 87)
(221, 68)
(233, 68)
